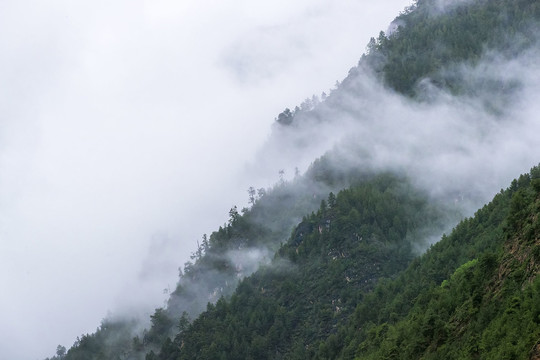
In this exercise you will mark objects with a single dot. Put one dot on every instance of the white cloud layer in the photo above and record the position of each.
(122, 128)
(463, 148)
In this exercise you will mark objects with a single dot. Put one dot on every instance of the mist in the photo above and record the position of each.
(124, 132)
(461, 149)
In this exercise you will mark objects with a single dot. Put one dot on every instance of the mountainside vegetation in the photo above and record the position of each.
(333, 263)
(317, 278)
(432, 35)
(427, 46)
(474, 294)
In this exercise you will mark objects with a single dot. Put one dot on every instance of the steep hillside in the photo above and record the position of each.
(249, 239)
(473, 295)
(460, 65)
(303, 273)
(434, 35)
(317, 278)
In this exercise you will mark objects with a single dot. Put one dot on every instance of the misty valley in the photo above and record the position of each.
(412, 230)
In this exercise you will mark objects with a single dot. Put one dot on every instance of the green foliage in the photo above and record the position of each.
(162, 324)
(431, 37)
(336, 289)
(99, 346)
(333, 257)
(214, 270)
(433, 44)
(474, 294)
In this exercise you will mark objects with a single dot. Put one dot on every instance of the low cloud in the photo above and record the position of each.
(460, 148)
(124, 121)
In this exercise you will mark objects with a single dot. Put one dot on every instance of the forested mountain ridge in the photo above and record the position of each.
(317, 278)
(435, 34)
(463, 54)
(428, 43)
(339, 277)
(474, 294)
(236, 249)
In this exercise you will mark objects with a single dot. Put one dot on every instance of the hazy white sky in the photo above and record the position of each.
(123, 126)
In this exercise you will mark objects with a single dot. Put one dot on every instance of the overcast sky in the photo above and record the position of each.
(123, 126)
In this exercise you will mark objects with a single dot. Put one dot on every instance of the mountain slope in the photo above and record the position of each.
(485, 306)
(317, 278)
(433, 35)
(338, 290)
(472, 295)
(222, 259)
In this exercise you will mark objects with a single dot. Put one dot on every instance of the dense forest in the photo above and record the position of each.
(474, 294)
(317, 278)
(345, 261)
